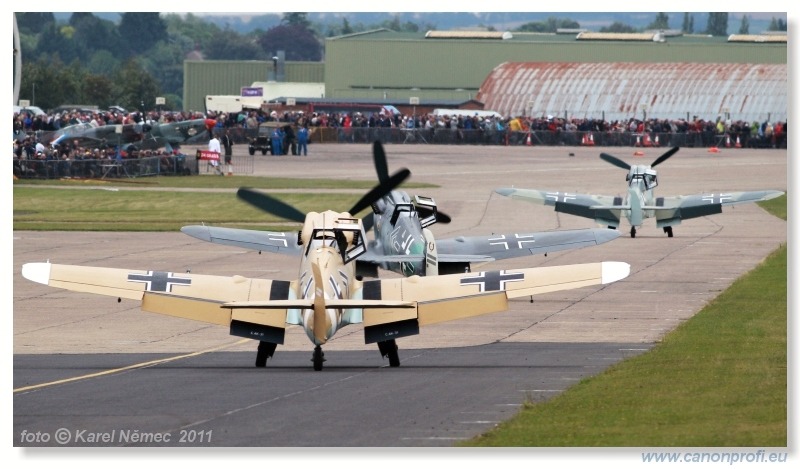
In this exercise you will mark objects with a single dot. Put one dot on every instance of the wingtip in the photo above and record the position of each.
(38, 272)
(201, 232)
(613, 271)
(606, 235)
(506, 191)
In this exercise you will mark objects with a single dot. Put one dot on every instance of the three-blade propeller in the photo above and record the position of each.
(281, 209)
(621, 164)
(382, 168)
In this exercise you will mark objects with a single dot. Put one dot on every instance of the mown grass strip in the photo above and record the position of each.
(47, 209)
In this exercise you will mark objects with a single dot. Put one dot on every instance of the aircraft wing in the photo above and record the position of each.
(284, 243)
(449, 297)
(596, 207)
(670, 210)
(204, 298)
(506, 246)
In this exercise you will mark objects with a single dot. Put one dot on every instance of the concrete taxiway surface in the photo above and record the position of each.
(447, 370)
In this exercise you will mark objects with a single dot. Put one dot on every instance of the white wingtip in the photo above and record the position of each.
(613, 271)
(38, 272)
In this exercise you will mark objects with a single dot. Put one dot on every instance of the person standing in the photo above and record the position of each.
(227, 144)
(302, 140)
(213, 146)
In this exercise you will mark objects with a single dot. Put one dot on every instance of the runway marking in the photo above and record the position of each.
(129, 367)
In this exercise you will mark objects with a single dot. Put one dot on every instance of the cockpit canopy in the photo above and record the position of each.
(642, 176)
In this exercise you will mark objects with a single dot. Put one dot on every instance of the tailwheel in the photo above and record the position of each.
(265, 350)
(318, 358)
(388, 348)
(633, 232)
(668, 231)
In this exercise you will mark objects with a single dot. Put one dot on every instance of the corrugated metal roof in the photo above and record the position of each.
(468, 35)
(592, 36)
(622, 90)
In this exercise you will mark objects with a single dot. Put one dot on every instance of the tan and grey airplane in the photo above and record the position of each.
(327, 295)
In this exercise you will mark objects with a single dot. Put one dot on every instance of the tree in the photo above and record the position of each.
(346, 29)
(717, 24)
(744, 27)
(688, 23)
(296, 19)
(777, 24)
(661, 22)
(617, 27)
(551, 25)
(229, 45)
(97, 90)
(298, 42)
(134, 87)
(34, 23)
(141, 31)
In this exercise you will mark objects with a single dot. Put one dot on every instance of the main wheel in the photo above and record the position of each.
(633, 232)
(394, 357)
(265, 351)
(668, 231)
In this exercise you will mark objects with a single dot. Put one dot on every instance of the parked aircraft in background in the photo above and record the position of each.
(639, 202)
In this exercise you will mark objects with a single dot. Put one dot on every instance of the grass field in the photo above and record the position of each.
(718, 380)
(172, 202)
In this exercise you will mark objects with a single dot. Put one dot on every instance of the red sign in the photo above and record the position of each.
(207, 155)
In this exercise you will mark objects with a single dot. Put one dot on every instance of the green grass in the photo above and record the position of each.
(718, 380)
(46, 209)
(216, 182)
(95, 205)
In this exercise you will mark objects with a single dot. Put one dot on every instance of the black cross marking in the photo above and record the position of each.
(493, 281)
(159, 281)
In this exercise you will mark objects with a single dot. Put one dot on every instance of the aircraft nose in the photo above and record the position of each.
(604, 236)
(506, 191)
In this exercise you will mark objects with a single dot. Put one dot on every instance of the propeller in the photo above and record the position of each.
(274, 206)
(382, 168)
(270, 204)
(379, 156)
(666, 155)
(380, 190)
(615, 161)
(621, 164)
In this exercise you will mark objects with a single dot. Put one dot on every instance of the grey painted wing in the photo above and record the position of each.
(270, 241)
(507, 246)
(573, 204)
(693, 206)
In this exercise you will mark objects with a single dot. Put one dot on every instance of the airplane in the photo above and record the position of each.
(327, 295)
(402, 241)
(640, 202)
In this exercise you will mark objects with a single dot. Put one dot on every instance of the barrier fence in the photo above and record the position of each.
(171, 165)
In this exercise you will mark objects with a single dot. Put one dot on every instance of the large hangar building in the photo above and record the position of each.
(749, 78)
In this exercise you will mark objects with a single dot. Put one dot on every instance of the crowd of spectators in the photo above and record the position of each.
(29, 148)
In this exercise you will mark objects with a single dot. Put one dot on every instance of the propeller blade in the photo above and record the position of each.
(270, 204)
(381, 166)
(666, 155)
(380, 190)
(615, 161)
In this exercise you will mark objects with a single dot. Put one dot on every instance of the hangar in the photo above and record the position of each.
(389, 67)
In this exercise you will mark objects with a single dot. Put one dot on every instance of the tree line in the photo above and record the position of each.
(90, 60)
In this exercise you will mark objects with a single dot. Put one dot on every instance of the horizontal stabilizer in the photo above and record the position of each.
(309, 304)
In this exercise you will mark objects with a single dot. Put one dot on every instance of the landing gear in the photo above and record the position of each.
(633, 232)
(668, 231)
(388, 348)
(318, 358)
(265, 350)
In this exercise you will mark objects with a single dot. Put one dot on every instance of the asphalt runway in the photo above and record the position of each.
(456, 379)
